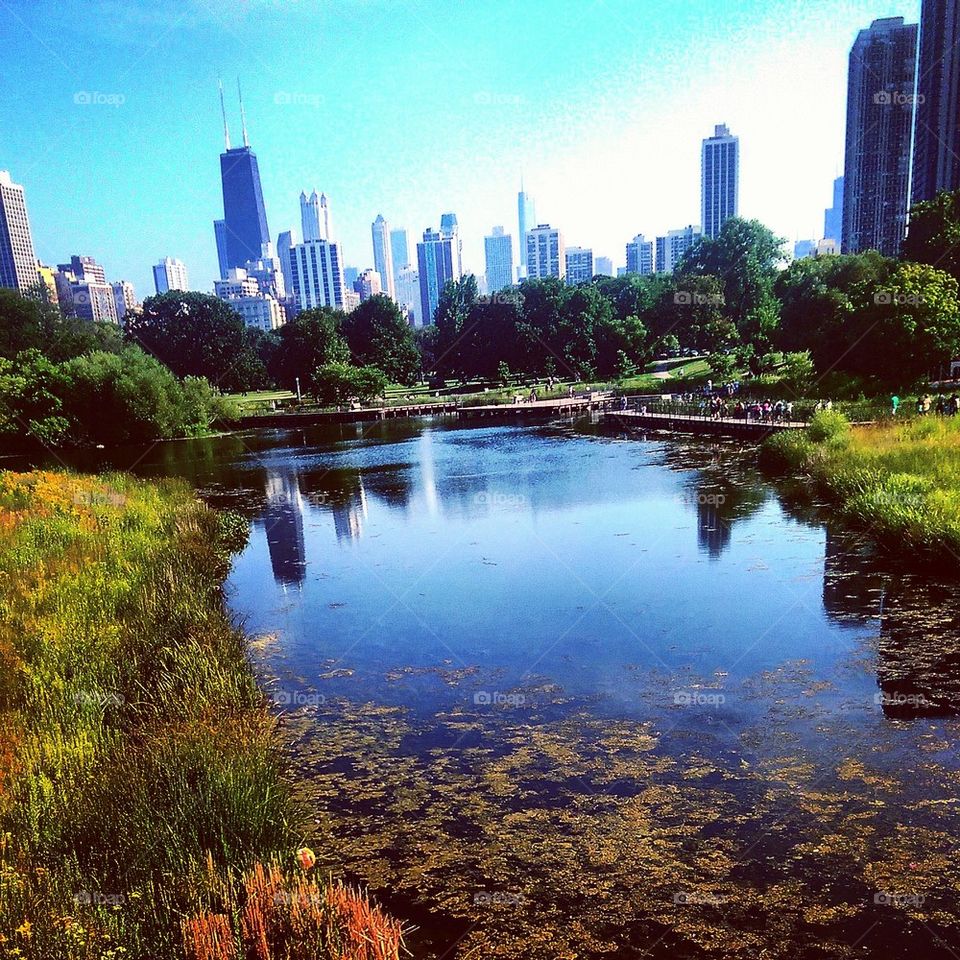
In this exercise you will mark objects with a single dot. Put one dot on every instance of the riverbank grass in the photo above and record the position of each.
(139, 771)
(901, 480)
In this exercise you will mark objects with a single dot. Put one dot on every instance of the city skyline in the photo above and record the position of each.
(657, 126)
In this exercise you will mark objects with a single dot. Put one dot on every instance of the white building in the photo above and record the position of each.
(368, 284)
(18, 261)
(351, 300)
(170, 274)
(640, 255)
(408, 293)
(546, 254)
(261, 311)
(498, 256)
(672, 247)
(124, 298)
(236, 284)
(317, 274)
(579, 264)
(383, 255)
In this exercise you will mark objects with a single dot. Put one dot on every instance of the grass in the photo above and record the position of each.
(900, 479)
(140, 776)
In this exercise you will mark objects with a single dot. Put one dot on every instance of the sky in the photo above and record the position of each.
(110, 116)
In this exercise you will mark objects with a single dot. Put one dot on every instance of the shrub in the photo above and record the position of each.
(828, 425)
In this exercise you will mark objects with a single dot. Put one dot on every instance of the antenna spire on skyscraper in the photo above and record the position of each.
(243, 119)
(223, 111)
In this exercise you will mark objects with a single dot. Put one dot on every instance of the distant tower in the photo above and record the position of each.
(450, 230)
(498, 253)
(640, 255)
(18, 262)
(399, 249)
(719, 179)
(880, 97)
(546, 253)
(833, 216)
(310, 216)
(326, 221)
(527, 217)
(438, 263)
(170, 274)
(383, 256)
(244, 215)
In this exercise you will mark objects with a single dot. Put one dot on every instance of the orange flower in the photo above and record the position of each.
(306, 858)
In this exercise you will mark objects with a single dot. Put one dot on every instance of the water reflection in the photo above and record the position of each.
(282, 522)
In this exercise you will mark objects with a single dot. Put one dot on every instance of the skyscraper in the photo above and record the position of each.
(383, 255)
(546, 254)
(124, 298)
(399, 249)
(285, 243)
(640, 255)
(220, 233)
(498, 256)
(833, 216)
(317, 274)
(18, 261)
(245, 218)
(527, 217)
(719, 179)
(450, 230)
(578, 264)
(936, 147)
(170, 274)
(603, 266)
(672, 247)
(310, 219)
(408, 294)
(880, 97)
(438, 263)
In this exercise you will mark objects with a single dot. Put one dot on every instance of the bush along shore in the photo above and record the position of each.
(144, 804)
(898, 479)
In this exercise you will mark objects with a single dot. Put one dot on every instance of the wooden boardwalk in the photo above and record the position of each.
(360, 415)
(562, 407)
(686, 423)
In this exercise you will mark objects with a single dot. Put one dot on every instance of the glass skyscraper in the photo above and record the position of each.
(244, 216)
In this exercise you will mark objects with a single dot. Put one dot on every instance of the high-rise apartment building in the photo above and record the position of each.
(719, 179)
(18, 261)
(317, 274)
(672, 247)
(880, 102)
(578, 264)
(170, 274)
(498, 259)
(640, 255)
(546, 254)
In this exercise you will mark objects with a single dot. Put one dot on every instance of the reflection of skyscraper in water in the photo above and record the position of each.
(283, 523)
(348, 515)
(713, 530)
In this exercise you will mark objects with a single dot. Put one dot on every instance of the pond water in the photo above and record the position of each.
(555, 692)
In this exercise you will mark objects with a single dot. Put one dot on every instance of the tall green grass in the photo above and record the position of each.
(899, 480)
(134, 745)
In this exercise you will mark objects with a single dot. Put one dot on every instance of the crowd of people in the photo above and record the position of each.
(942, 406)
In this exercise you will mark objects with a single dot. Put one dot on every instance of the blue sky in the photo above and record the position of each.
(413, 108)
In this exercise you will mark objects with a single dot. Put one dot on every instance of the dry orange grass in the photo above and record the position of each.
(291, 917)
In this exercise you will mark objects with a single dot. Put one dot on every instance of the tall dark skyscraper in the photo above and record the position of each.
(936, 149)
(244, 216)
(880, 98)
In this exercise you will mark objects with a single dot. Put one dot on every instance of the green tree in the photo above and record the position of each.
(339, 383)
(30, 400)
(312, 339)
(453, 321)
(934, 233)
(380, 336)
(198, 335)
(744, 257)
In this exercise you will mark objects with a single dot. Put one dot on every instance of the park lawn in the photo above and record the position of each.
(144, 801)
(898, 478)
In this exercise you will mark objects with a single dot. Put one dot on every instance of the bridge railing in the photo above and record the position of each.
(697, 411)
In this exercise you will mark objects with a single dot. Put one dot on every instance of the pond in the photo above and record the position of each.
(556, 692)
